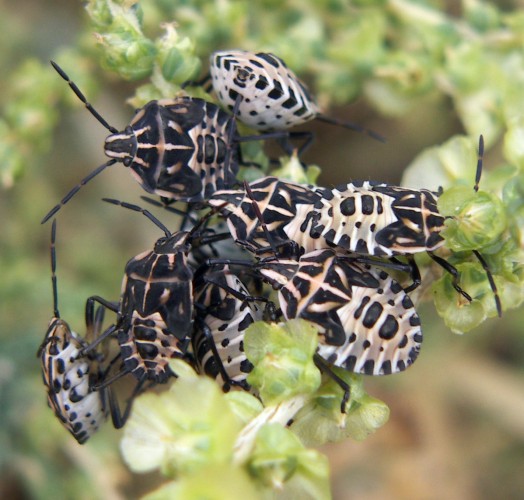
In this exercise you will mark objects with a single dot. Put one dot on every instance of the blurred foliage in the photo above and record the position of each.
(406, 59)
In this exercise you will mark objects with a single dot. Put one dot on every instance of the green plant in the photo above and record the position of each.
(395, 53)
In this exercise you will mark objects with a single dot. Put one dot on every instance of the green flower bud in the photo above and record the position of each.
(321, 420)
(281, 461)
(144, 94)
(513, 197)
(244, 405)
(12, 162)
(292, 169)
(182, 429)
(482, 15)
(100, 12)
(128, 53)
(176, 56)
(479, 219)
(283, 358)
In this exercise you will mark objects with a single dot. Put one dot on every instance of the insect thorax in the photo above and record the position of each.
(278, 203)
(177, 148)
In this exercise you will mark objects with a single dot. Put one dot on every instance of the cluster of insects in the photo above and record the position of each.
(329, 254)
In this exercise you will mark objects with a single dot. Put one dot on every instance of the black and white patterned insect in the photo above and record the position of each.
(224, 311)
(156, 311)
(68, 373)
(372, 218)
(266, 213)
(181, 149)
(367, 323)
(377, 219)
(265, 93)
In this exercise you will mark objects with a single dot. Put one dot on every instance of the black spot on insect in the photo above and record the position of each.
(389, 328)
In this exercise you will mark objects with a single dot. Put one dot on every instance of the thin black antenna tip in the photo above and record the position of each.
(111, 200)
(480, 159)
(50, 214)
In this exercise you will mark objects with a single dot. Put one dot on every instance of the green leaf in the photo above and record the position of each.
(182, 429)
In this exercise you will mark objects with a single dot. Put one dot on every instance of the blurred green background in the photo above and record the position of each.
(457, 417)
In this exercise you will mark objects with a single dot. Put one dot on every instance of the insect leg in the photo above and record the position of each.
(325, 368)
(454, 273)
(415, 274)
(204, 82)
(492, 284)
(117, 417)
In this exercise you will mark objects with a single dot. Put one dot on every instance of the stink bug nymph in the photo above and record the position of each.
(377, 219)
(155, 313)
(181, 149)
(266, 93)
(68, 374)
(224, 310)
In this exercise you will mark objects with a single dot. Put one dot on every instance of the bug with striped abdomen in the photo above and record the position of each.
(377, 219)
(68, 373)
(156, 312)
(182, 149)
(366, 321)
(224, 310)
(265, 93)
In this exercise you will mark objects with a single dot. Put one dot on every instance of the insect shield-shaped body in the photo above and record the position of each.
(177, 148)
(271, 95)
(265, 94)
(182, 149)
(265, 212)
(156, 309)
(367, 323)
(224, 311)
(376, 219)
(69, 374)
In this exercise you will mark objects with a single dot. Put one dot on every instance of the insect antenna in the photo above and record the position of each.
(477, 254)
(82, 97)
(75, 190)
(102, 121)
(351, 126)
(143, 211)
(480, 158)
(56, 313)
(235, 293)
(168, 208)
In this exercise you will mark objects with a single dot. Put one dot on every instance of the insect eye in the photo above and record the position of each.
(127, 161)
